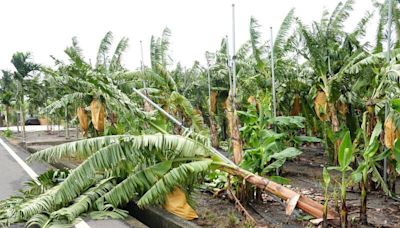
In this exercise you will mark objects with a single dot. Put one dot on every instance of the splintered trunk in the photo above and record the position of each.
(213, 122)
(335, 127)
(363, 208)
(308, 205)
(233, 127)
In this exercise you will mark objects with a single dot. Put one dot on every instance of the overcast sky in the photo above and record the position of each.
(45, 27)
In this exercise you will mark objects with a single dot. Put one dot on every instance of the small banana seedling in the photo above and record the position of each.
(327, 180)
(367, 165)
(345, 157)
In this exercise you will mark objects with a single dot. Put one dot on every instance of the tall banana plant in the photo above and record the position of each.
(330, 52)
(261, 54)
(222, 90)
(82, 80)
(381, 37)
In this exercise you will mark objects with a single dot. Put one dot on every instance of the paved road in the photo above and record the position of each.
(13, 175)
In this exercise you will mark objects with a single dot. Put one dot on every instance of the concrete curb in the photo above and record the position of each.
(158, 217)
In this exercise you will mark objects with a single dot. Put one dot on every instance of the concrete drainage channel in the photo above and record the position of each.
(141, 218)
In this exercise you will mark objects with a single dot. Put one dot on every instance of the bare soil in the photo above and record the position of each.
(305, 173)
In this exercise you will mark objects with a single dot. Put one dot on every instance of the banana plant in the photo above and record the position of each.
(368, 165)
(327, 181)
(265, 150)
(345, 157)
(330, 52)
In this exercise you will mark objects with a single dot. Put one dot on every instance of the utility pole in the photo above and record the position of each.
(389, 28)
(233, 58)
(142, 63)
(273, 74)
(146, 105)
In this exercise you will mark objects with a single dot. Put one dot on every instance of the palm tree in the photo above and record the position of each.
(24, 67)
(7, 87)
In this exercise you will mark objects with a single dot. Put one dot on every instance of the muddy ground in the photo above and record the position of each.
(305, 174)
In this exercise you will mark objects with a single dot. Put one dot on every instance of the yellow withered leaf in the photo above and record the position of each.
(321, 106)
(98, 114)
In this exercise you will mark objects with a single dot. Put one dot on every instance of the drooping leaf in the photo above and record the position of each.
(311, 139)
(274, 165)
(376, 132)
(396, 150)
(289, 152)
(279, 179)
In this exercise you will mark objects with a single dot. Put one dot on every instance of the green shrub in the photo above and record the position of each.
(7, 133)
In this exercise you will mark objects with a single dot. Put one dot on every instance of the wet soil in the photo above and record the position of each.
(305, 174)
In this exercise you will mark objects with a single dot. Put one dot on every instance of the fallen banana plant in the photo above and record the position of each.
(117, 169)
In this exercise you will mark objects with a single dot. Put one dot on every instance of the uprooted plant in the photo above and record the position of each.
(118, 169)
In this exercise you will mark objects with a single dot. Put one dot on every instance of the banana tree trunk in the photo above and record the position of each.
(335, 127)
(213, 123)
(22, 120)
(233, 127)
(296, 108)
(214, 131)
(392, 174)
(306, 204)
(363, 208)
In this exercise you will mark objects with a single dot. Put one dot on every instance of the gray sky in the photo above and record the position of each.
(45, 27)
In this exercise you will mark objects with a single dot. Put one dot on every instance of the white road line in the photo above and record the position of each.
(32, 174)
(82, 224)
(20, 162)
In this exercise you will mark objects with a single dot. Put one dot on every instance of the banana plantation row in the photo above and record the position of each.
(333, 90)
